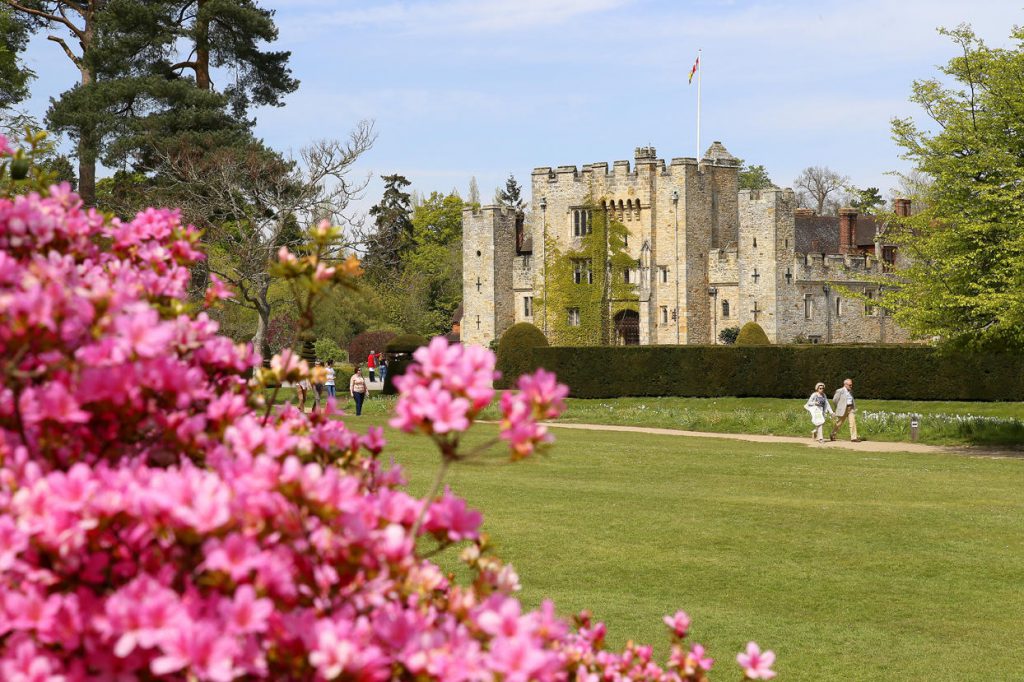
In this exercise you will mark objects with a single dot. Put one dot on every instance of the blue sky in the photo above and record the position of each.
(462, 88)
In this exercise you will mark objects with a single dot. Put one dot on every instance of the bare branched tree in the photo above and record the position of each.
(251, 202)
(817, 183)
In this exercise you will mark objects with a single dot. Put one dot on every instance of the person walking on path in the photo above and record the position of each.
(357, 389)
(382, 366)
(330, 381)
(318, 387)
(818, 406)
(846, 410)
(301, 391)
(371, 364)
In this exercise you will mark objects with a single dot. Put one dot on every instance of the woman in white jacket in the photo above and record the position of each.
(818, 406)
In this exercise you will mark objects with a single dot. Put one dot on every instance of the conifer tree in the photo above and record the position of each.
(393, 229)
(74, 21)
(474, 192)
(512, 195)
(14, 75)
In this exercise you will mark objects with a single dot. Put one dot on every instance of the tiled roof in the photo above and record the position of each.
(820, 233)
(816, 234)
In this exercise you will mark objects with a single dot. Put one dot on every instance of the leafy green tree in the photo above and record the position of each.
(47, 157)
(392, 234)
(729, 335)
(422, 293)
(866, 200)
(328, 351)
(252, 201)
(73, 22)
(14, 75)
(754, 177)
(512, 195)
(964, 281)
(588, 286)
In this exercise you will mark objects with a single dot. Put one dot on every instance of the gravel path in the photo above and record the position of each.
(863, 446)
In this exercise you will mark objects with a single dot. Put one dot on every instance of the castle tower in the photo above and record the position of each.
(765, 250)
(488, 251)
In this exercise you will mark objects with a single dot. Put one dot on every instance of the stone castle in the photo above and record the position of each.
(708, 256)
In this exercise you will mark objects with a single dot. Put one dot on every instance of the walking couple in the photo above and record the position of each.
(846, 411)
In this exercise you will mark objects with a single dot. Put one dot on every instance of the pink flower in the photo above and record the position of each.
(246, 614)
(756, 665)
(374, 440)
(217, 290)
(679, 624)
(521, 659)
(201, 648)
(451, 517)
(5, 148)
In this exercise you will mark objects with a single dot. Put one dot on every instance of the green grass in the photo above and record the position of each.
(941, 423)
(848, 565)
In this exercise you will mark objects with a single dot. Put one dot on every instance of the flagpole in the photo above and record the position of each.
(700, 70)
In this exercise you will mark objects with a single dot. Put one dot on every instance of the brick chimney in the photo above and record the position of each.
(901, 207)
(847, 230)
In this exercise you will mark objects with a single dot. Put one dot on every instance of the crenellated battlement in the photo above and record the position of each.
(824, 267)
(501, 210)
(717, 256)
(626, 170)
(767, 196)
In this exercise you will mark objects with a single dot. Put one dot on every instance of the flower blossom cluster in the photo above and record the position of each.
(447, 386)
(157, 521)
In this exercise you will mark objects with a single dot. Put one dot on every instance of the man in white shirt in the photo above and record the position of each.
(846, 410)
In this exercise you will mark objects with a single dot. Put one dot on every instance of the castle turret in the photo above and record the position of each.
(488, 251)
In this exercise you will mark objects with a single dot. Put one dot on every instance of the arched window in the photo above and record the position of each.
(725, 308)
(580, 222)
(629, 209)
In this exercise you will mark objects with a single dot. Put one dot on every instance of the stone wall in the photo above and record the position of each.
(488, 250)
(701, 233)
(765, 240)
(809, 310)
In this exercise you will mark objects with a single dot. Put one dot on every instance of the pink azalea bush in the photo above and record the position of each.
(157, 519)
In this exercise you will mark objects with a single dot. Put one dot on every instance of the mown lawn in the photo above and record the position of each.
(940, 423)
(849, 566)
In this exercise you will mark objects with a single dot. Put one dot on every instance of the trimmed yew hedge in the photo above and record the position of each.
(879, 371)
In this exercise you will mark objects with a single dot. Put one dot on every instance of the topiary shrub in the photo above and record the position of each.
(728, 335)
(405, 343)
(328, 352)
(515, 351)
(399, 354)
(752, 335)
(361, 344)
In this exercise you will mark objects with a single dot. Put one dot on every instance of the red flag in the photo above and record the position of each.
(696, 65)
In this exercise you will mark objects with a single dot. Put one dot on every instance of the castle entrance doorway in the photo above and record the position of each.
(627, 328)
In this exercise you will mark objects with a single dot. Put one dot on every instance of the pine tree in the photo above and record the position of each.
(512, 195)
(14, 75)
(393, 231)
(73, 20)
(474, 192)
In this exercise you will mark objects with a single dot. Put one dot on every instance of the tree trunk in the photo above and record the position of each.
(202, 48)
(86, 168)
(86, 136)
(259, 339)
